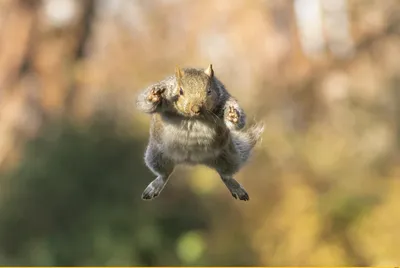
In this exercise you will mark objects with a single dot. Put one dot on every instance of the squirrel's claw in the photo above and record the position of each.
(240, 193)
(153, 189)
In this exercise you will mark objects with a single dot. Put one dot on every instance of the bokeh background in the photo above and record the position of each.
(324, 76)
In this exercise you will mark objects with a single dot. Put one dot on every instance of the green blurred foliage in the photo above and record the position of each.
(75, 200)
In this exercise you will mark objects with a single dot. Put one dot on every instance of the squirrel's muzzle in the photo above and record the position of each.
(196, 109)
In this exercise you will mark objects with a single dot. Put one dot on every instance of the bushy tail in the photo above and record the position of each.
(245, 140)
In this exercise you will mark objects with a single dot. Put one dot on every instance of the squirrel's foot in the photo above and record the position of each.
(153, 189)
(233, 115)
(155, 94)
(240, 194)
(237, 190)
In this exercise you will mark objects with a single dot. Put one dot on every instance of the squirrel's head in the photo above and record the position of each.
(196, 92)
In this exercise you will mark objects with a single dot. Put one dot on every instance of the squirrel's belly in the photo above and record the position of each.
(190, 156)
(191, 144)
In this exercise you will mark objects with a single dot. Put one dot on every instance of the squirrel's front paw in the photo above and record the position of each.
(233, 115)
(155, 94)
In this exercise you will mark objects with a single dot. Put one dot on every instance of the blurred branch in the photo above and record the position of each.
(83, 40)
(86, 28)
(392, 29)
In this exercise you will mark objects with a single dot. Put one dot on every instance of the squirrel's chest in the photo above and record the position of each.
(192, 141)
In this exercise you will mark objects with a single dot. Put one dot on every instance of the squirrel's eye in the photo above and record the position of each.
(209, 92)
(181, 91)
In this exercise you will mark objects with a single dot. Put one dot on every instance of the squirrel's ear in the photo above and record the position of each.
(178, 72)
(209, 71)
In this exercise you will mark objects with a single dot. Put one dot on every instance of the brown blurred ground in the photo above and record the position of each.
(324, 76)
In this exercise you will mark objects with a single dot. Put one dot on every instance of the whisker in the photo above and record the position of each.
(214, 117)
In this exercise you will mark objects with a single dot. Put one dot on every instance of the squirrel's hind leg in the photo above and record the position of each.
(227, 164)
(160, 166)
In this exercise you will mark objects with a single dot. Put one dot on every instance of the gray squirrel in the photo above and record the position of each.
(195, 121)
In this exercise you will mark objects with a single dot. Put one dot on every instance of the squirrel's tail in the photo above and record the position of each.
(246, 140)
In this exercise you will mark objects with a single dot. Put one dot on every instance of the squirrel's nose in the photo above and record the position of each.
(196, 109)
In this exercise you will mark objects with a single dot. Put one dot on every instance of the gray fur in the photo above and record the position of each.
(210, 139)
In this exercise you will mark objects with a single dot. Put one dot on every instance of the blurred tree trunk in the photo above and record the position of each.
(17, 25)
(38, 58)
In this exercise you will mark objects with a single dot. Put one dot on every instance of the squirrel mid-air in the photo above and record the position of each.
(195, 121)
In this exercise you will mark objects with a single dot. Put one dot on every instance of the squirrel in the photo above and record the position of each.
(195, 121)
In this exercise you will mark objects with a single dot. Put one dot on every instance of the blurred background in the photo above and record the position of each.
(324, 76)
